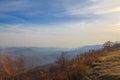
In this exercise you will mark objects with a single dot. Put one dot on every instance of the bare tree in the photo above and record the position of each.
(62, 61)
(12, 66)
(108, 44)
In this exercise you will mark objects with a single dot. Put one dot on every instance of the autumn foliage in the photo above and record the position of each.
(78, 68)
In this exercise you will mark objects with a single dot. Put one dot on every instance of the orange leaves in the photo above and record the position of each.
(7, 63)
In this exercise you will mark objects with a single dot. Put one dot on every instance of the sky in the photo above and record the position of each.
(58, 23)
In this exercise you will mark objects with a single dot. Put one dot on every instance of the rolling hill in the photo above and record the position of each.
(45, 55)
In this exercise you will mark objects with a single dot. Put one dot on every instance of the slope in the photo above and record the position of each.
(107, 67)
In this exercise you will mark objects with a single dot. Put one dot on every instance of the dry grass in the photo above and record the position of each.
(93, 65)
(108, 65)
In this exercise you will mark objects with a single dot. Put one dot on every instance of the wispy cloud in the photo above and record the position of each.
(61, 10)
(58, 22)
(91, 6)
(62, 35)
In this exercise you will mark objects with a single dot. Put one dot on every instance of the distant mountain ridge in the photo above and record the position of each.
(83, 49)
(46, 55)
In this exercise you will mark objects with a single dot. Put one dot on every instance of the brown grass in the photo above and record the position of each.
(79, 68)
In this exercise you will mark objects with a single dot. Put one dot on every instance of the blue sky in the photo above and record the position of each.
(58, 23)
(41, 12)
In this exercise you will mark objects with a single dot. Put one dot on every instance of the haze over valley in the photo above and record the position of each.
(59, 39)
